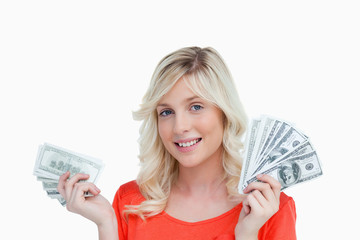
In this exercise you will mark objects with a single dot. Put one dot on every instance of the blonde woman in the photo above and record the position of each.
(190, 155)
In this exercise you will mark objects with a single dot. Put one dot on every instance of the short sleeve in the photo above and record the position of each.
(127, 194)
(281, 226)
(118, 207)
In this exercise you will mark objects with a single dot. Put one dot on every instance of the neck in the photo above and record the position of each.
(201, 179)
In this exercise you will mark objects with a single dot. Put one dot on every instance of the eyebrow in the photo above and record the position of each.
(186, 100)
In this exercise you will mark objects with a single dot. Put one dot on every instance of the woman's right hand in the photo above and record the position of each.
(95, 208)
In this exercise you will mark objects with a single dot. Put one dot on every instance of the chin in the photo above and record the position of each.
(189, 163)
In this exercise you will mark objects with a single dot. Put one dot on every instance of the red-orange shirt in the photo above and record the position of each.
(280, 226)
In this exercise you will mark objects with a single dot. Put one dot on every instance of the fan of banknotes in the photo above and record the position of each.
(277, 148)
(53, 161)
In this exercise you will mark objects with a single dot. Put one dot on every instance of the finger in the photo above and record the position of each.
(270, 192)
(81, 188)
(269, 187)
(274, 184)
(246, 206)
(266, 197)
(253, 202)
(263, 187)
(61, 184)
(263, 202)
(69, 185)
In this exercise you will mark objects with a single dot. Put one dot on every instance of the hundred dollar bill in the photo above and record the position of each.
(44, 179)
(294, 170)
(262, 135)
(62, 201)
(274, 128)
(302, 149)
(53, 193)
(49, 185)
(271, 144)
(287, 143)
(267, 129)
(249, 148)
(283, 129)
(52, 161)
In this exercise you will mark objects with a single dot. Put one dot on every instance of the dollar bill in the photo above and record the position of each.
(53, 161)
(294, 170)
(302, 149)
(289, 141)
(272, 146)
(268, 135)
(281, 131)
(268, 129)
(249, 147)
(264, 131)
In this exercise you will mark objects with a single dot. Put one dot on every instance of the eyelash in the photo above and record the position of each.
(196, 105)
(162, 113)
(167, 112)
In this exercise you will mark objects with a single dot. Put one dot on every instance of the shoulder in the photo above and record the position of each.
(129, 194)
(287, 208)
(286, 200)
(282, 224)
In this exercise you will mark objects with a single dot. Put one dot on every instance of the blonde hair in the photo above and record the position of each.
(207, 75)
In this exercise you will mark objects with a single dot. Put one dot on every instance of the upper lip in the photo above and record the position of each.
(186, 140)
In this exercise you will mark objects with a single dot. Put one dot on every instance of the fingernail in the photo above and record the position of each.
(259, 176)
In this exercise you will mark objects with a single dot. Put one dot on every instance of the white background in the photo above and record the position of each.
(72, 72)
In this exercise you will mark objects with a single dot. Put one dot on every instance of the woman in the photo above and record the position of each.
(192, 123)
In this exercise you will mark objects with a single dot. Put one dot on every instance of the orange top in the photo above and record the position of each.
(162, 226)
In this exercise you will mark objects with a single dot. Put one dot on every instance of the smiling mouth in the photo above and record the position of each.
(188, 144)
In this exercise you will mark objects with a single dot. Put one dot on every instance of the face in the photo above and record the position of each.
(288, 176)
(190, 127)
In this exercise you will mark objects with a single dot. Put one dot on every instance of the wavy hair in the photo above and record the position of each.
(207, 75)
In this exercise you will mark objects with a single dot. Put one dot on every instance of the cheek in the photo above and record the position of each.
(212, 127)
(163, 131)
(214, 131)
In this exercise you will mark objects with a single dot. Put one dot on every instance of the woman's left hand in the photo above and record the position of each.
(259, 205)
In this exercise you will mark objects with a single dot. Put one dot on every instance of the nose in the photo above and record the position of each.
(182, 123)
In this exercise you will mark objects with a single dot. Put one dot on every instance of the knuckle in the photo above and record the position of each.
(267, 186)
(67, 184)
(77, 185)
(277, 184)
(256, 192)
(249, 197)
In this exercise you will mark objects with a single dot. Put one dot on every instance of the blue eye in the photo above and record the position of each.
(196, 107)
(165, 113)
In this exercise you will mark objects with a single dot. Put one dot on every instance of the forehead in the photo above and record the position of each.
(179, 92)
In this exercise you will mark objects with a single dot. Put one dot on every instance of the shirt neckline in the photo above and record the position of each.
(217, 218)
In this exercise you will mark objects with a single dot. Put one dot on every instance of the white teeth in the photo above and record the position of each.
(188, 144)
